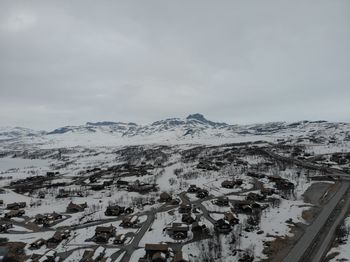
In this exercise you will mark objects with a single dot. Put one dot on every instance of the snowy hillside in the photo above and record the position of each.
(189, 186)
(16, 132)
(193, 129)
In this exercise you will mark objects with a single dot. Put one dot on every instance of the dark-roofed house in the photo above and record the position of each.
(284, 185)
(58, 237)
(38, 243)
(120, 239)
(228, 184)
(14, 213)
(231, 218)
(97, 187)
(198, 227)
(139, 187)
(175, 201)
(202, 193)
(188, 218)
(114, 210)
(94, 255)
(178, 231)
(165, 197)
(130, 221)
(184, 208)
(267, 191)
(193, 189)
(74, 208)
(243, 207)
(221, 201)
(41, 194)
(103, 234)
(239, 182)
(39, 219)
(16, 205)
(156, 252)
(47, 219)
(5, 227)
(222, 226)
(255, 197)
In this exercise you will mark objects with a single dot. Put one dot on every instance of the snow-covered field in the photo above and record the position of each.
(169, 158)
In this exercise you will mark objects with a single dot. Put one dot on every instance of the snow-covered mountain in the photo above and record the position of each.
(193, 129)
(192, 124)
(16, 132)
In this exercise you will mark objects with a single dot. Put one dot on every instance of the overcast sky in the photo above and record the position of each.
(68, 62)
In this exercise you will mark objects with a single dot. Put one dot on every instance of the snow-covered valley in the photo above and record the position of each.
(189, 189)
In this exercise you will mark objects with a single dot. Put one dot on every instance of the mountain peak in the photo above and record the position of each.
(200, 118)
(103, 123)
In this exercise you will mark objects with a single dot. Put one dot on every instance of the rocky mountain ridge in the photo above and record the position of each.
(193, 127)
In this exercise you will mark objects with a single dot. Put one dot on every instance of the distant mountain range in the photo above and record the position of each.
(195, 127)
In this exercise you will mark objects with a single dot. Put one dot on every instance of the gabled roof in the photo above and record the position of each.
(165, 195)
(104, 229)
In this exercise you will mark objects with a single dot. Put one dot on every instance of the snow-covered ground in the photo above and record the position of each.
(175, 156)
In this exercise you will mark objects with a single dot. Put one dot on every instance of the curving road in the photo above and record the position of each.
(312, 245)
(317, 238)
(301, 248)
(130, 248)
(327, 240)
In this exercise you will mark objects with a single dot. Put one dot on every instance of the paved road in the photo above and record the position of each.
(309, 239)
(198, 203)
(130, 248)
(97, 223)
(327, 240)
(297, 252)
(311, 232)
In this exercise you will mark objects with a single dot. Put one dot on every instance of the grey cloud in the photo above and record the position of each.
(68, 62)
